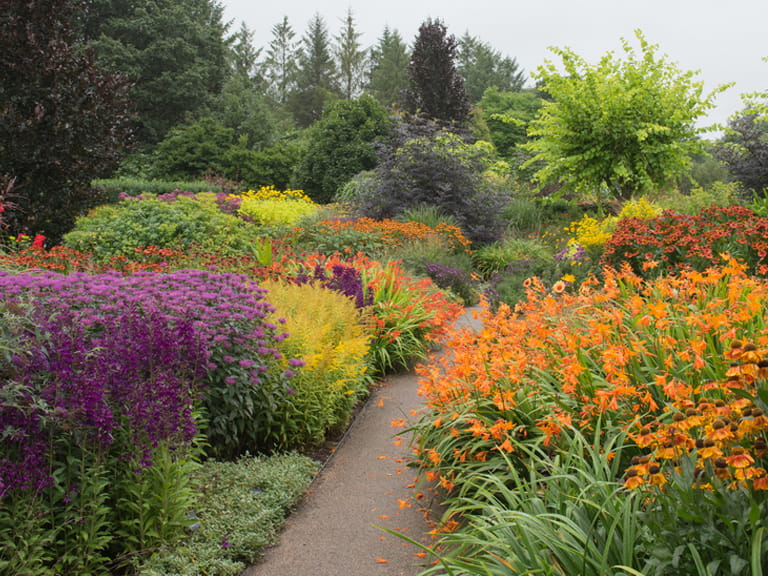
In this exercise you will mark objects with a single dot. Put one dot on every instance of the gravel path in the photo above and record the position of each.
(365, 484)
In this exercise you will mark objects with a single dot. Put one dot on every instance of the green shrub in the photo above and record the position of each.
(718, 194)
(327, 334)
(240, 508)
(498, 256)
(119, 229)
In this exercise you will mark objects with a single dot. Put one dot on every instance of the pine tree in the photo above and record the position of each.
(316, 78)
(351, 58)
(482, 67)
(281, 61)
(388, 74)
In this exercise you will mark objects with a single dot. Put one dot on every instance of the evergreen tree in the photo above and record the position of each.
(173, 52)
(388, 75)
(482, 67)
(244, 58)
(63, 121)
(281, 62)
(316, 78)
(436, 90)
(351, 58)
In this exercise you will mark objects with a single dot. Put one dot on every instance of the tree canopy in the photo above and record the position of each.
(482, 67)
(174, 53)
(628, 125)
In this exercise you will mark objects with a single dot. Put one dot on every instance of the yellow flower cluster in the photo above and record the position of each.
(268, 206)
(328, 334)
(639, 208)
(271, 193)
(590, 231)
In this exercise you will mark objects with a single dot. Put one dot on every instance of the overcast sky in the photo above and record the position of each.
(725, 40)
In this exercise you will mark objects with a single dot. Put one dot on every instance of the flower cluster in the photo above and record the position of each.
(393, 234)
(718, 426)
(615, 351)
(109, 351)
(671, 241)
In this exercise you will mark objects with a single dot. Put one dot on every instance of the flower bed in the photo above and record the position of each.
(530, 427)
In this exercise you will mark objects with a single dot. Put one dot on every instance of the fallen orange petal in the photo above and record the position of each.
(381, 560)
(380, 404)
(420, 554)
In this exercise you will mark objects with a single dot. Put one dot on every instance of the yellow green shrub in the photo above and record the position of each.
(328, 333)
(268, 206)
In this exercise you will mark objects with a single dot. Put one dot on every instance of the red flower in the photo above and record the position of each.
(39, 241)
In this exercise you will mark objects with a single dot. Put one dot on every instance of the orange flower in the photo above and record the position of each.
(559, 287)
(739, 458)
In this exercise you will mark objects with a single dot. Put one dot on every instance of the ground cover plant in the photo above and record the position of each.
(535, 425)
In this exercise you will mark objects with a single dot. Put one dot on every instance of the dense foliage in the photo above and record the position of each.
(169, 220)
(63, 121)
(744, 149)
(435, 88)
(174, 54)
(626, 125)
(340, 145)
(423, 165)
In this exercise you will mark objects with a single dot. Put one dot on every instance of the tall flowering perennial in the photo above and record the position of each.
(614, 351)
(225, 315)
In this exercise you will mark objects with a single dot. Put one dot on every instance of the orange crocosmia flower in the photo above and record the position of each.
(398, 423)
(507, 446)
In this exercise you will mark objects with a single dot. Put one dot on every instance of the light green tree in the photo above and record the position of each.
(625, 125)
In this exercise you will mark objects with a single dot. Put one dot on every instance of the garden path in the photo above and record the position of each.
(365, 485)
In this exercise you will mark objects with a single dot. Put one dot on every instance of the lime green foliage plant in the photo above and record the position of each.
(122, 228)
(628, 125)
(270, 207)
(328, 334)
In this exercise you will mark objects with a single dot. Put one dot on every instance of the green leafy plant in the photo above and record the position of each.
(119, 229)
(240, 508)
